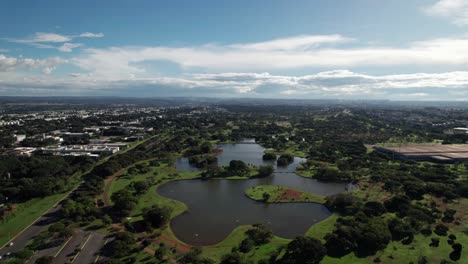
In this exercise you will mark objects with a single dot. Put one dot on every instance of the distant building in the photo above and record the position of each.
(20, 138)
(460, 130)
(23, 151)
(82, 150)
(438, 153)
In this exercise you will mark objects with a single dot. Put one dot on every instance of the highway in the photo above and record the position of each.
(42, 223)
(90, 251)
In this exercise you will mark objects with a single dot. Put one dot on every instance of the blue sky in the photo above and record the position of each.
(356, 49)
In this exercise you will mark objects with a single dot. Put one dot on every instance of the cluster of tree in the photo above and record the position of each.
(82, 207)
(156, 216)
(23, 178)
(364, 231)
(203, 148)
(203, 161)
(123, 244)
(76, 140)
(37, 142)
(269, 156)
(6, 139)
(333, 174)
(235, 168)
(301, 250)
(194, 256)
(258, 235)
(285, 159)
(332, 151)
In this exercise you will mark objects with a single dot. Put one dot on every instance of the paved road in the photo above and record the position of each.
(22, 239)
(91, 250)
(69, 249)
(42, 223)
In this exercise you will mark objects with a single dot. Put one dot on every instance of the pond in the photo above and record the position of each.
(216, 207)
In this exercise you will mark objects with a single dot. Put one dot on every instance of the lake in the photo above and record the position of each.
(216, 207)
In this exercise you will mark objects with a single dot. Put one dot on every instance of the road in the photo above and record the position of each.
(90, 251)
(42, 223)
(67, 253)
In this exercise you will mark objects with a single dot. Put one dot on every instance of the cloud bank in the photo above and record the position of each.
(455, 10)
(242, 69)
(341, 84)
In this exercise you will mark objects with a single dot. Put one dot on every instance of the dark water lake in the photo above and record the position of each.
(216, 207)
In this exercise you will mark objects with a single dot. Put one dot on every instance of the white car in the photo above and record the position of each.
(11, 244)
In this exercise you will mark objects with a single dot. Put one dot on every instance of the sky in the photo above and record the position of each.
(321, 49)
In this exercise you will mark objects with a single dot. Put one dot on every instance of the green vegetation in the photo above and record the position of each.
(24, 214)
(281, 194)
(403, 211)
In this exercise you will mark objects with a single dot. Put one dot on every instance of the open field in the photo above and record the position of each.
(24, 214)
(281, 194)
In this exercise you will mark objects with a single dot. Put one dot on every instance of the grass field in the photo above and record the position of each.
(235, 238)
(281, 194)
(24, 214)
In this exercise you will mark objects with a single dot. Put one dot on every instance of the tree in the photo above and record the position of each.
(141, 187)
(45, 260)
(265, 171)
(285, 159)
(232, 258)
(206, 147)
(374, 208)
(372, 236)
(343, 203)
(399, 229)
(304, 250)
(156, 216)
(106, 219)
(269, 156)
(121, 246)
(194, 257)
(237, 167)
(341, 242)
(160, 252)
(246, 245)
(259, 234)
(124, 201)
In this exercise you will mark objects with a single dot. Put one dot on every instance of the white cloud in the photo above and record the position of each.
(91, 35)
(41, 37)
(303, 42)
(8, 64)
(455, 10)
(48, 70)
(68, 47)
(280, 54)
(341, 84)
(46, 40)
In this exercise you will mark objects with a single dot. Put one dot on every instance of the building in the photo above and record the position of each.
(23, 151)
(81, 150)
(460, 130)
(449, 153)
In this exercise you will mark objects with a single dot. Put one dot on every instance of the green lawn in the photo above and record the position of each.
(24, 214)
(322, 228)
(164, 173)
(224, 247)
(282, 194)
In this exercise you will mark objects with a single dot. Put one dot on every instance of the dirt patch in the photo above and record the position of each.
(290, 194)
(108, 183)
(217, 151)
